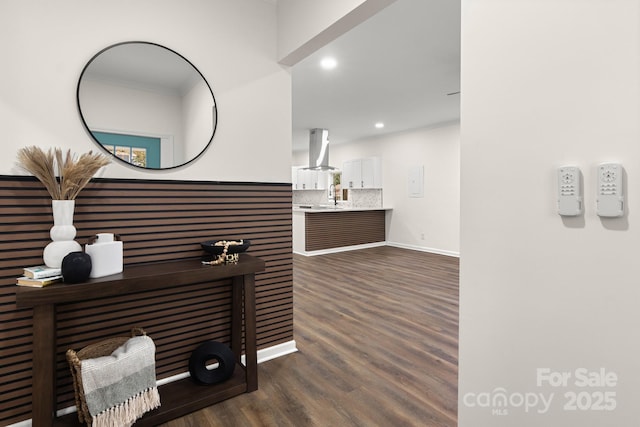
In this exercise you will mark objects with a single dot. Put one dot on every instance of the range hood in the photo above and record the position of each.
(319, 150)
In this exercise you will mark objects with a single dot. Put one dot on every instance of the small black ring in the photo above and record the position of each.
(205, 352)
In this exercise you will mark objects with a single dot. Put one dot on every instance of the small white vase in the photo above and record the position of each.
(62, 233)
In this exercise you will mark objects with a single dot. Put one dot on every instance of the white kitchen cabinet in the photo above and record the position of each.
(371, 176)
(362, 173)
(351, 174)
(322, 180)
(306, 179)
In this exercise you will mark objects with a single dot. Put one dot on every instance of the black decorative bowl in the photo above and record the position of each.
(211, 247)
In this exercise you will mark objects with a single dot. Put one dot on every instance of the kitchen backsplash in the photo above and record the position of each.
(309, 197)
(365, 198)
(357, 198)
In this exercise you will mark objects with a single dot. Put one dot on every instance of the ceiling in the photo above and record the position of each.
(398, 67)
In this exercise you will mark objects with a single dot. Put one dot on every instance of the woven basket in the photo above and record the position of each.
(99, 349)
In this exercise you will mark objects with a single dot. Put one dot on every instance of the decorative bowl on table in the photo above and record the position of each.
(216, 247)
(223, 251)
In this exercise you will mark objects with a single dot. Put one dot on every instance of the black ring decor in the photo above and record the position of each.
(207, 352)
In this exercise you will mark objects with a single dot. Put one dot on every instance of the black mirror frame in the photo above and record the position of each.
(215, 106)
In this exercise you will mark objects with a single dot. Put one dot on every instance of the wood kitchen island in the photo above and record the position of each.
(323, 230)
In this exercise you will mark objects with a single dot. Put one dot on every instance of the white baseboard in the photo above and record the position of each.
(373, 245)
(264, 355)
(340, 249)
(424, 249)
(25, 423)
(276, 351)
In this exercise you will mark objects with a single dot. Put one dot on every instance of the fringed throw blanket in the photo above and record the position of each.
(120, 388)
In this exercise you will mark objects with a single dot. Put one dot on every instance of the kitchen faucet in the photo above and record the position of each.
(335, 196)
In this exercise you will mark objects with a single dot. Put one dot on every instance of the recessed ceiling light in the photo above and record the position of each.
(328, 63)
(379, 125)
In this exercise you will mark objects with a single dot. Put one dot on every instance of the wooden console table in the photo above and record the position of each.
(183, 396)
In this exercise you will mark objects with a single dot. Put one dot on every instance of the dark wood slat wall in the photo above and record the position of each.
(158, 220)
(325, 230)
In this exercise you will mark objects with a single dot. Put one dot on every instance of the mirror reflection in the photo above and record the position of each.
(147, 105)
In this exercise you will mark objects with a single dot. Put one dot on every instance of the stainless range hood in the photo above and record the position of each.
(319, 150)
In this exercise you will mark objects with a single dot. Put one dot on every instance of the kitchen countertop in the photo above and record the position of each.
(336, 209)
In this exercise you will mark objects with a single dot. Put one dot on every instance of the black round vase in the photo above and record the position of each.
(76, 267)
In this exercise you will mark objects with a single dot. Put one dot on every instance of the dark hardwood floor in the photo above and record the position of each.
(377, 333)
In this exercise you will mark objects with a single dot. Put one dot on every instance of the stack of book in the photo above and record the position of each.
(39, 276)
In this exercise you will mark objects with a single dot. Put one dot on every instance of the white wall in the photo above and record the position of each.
(547, 83)
(45, 45)
(431, 222)
(437, 214)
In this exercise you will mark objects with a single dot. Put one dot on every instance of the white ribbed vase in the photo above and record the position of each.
(62, 233)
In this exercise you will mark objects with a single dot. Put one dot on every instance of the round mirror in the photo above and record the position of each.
(147, 105)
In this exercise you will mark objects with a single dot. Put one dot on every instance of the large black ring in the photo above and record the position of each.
(206, 352)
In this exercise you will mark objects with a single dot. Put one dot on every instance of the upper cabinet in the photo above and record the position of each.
(305, 179)
(294, 178)
(362, 173)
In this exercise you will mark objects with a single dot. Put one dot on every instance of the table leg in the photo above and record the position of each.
(44, 365)
(236, 317)
(250, 345)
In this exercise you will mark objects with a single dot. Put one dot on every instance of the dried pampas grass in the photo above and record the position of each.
(63, 176)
